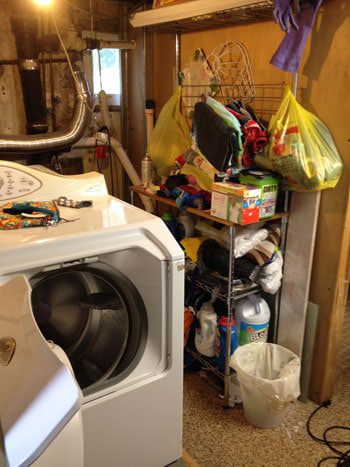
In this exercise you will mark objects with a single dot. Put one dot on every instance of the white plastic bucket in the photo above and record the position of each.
(268, 375)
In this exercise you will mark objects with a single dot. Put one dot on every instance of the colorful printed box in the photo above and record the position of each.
(236, 203)
(268, 184)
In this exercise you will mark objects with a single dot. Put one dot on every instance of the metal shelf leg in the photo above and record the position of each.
(229, 315)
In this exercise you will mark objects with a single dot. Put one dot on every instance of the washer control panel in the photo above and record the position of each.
(35, 182)
(15, 183)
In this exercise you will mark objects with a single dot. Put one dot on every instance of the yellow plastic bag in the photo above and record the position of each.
(171, 135)
(302, 149)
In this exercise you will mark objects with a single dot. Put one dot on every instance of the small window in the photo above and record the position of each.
(106, 73)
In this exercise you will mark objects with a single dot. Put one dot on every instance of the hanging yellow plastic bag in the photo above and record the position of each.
(302, 149)
(171, 135)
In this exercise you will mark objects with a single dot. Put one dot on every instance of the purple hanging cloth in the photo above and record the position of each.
(288, 55)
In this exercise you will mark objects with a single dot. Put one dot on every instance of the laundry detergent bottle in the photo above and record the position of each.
(220, 342)
(205, 334)
(252, 318)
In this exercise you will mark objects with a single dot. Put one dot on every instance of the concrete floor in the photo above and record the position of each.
(216, 438)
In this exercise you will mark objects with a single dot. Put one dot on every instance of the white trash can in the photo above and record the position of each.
(268, 375)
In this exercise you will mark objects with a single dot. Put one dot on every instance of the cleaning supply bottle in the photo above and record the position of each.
(170, 222)
(252, 318)
(220, 342)
(184, 226)
(205, 334)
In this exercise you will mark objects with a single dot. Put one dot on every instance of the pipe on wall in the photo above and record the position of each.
(31, 144)
(130, 170)
(25, 30)
(119, 152)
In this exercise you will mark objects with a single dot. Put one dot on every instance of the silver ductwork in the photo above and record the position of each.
(31, 144)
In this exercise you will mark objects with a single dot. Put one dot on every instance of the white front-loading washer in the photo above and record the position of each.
(106, 286)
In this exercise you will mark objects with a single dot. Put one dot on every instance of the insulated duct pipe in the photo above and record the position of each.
(29, 144)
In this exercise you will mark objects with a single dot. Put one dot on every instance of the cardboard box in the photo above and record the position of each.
(236, 203)
(237, 189)
(268, 182)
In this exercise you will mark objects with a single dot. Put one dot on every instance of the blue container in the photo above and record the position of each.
(220, 342)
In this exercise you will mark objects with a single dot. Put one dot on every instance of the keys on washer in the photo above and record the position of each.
(70, 203)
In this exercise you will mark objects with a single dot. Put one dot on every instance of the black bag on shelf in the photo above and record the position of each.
(217, 141)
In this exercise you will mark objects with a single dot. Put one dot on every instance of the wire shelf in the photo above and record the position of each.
(260, 11)
(206, 362)
(209, 281)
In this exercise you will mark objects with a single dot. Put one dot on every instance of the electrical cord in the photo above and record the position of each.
(343, 458)
(90, 109)
(69, 61)
(110, 158)
(96, 161)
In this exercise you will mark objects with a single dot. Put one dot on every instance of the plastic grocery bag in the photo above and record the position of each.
(271, 275)
(171, 135)
(268, 375)
(302, 149)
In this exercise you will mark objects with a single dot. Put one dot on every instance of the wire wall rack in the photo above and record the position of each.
(264, 102)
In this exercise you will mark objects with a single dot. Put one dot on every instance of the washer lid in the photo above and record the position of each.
(38, 393)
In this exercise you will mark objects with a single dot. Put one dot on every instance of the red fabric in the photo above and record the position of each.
(255, 140)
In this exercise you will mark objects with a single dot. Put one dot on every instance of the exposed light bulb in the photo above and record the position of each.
(43, 3)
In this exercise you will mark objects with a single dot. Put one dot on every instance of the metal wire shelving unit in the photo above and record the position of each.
(229, 291)
(264, 101)
(257, 11)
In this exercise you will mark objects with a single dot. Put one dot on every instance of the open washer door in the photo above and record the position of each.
(38, 393)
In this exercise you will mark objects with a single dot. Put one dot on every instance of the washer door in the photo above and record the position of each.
(96, 315)
(38, 393)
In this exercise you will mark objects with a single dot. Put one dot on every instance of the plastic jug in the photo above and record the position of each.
(220, 342)
(205, 334)
(252, 318)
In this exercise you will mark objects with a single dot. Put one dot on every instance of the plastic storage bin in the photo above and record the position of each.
(268, 375)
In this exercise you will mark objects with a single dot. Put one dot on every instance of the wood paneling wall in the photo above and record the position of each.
(164, 68)
(326, 69)
(325, 80)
